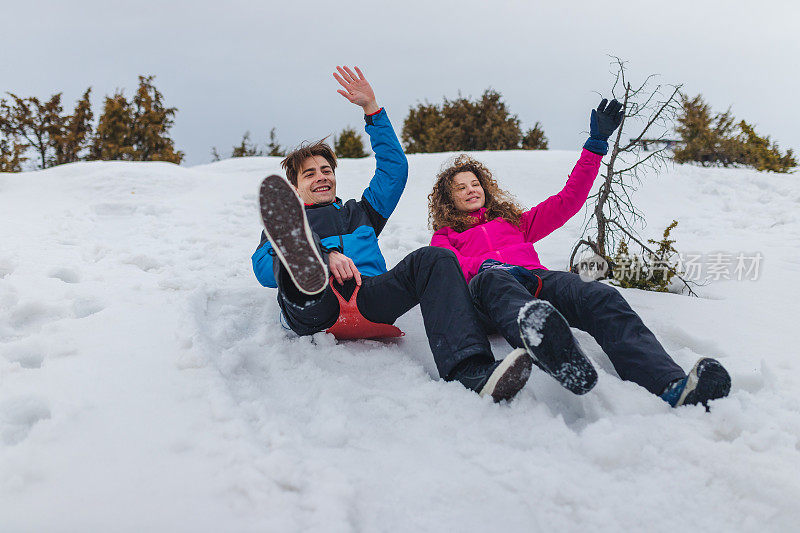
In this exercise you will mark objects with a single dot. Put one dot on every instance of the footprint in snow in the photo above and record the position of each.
(7, 266)
(84, 307)
(27, 353)
(33, 314)
(67, 275)
(144, 262)
(28, 316)
(19, 415)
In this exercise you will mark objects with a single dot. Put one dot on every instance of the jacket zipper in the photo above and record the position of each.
(483, 227)
(489, 240)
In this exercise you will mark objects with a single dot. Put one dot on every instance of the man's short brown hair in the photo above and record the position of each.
(295, 158)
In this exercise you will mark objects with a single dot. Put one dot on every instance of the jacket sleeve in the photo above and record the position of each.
(391, 171)
(263, 264)
(469, 264)
(554, 212)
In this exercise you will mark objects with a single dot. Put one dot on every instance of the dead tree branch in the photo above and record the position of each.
(650, 110)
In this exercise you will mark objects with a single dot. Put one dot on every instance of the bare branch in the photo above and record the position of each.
(656, 153)
(664, 106)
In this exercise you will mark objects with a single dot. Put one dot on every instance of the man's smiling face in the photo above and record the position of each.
(316, 182)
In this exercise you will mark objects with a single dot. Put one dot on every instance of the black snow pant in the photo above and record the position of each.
(594, 307)
(430, 277)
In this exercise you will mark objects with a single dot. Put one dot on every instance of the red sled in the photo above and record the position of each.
(351, 324)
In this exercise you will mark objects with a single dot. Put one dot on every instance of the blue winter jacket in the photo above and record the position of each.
(352, 227)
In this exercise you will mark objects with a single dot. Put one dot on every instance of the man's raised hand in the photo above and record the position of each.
(356, 89)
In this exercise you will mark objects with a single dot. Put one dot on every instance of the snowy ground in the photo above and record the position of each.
(147, 385)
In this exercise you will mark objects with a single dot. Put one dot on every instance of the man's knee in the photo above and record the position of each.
(434, 253)
(429, 256)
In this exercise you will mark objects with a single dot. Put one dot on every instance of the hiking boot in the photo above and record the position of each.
(547, 337)
(287, 229)
(501, 380)
(708, 380)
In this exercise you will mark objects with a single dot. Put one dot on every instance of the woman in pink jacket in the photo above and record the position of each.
(492, 238)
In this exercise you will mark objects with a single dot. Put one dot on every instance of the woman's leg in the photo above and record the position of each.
(498, 297)
(508, 306)
(601, 311)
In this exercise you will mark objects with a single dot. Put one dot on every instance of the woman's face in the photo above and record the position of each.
(467, 192)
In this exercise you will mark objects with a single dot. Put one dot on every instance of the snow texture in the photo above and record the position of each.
(531, 327)
(146, 383)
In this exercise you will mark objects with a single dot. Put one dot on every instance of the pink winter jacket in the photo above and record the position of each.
(500, 240)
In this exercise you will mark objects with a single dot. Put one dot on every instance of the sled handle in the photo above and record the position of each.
(342, 302)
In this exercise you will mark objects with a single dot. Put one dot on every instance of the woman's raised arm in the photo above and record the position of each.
(554, 212)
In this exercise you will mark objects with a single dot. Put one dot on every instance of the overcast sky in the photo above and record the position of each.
(251, 65)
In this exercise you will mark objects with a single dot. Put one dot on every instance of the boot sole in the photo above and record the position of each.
(509, 377)
(547, 337)
(287, 229)
(708, 380)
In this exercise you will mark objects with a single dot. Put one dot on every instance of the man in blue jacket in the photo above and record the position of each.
(313, 233)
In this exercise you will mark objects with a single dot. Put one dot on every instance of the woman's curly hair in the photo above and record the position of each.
(442, 210)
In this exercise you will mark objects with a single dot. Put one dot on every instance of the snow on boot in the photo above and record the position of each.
(287, 229)
(547, 337)
(708, 380)
(501, 380)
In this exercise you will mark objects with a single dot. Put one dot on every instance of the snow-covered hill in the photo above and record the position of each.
(147, 385)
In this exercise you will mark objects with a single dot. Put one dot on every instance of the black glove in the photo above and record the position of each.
(602, 123)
